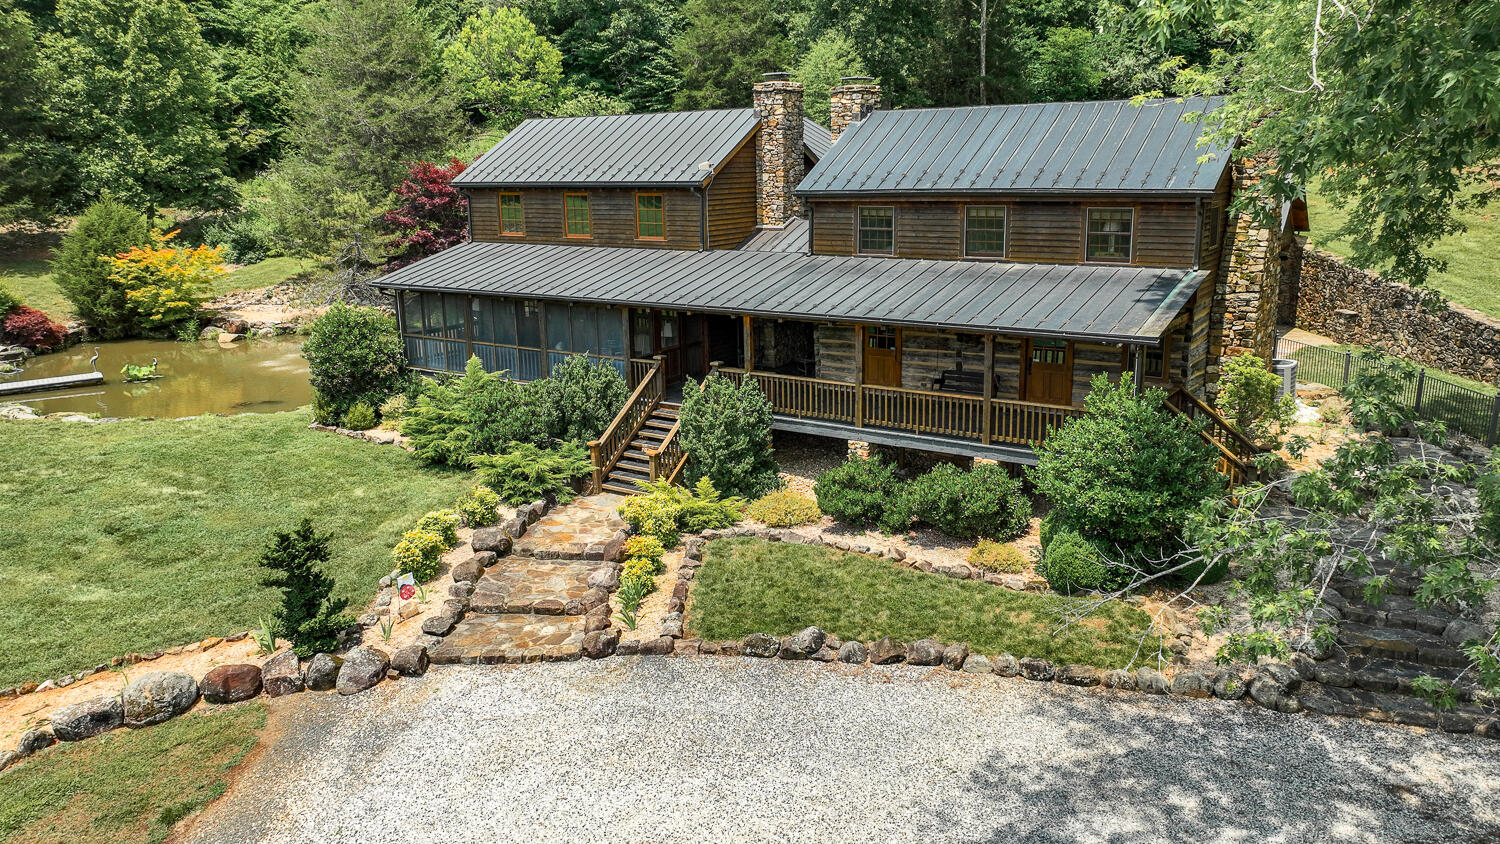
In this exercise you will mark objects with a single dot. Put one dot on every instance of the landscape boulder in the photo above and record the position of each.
(1229, 685)
(322, 672)
(977, 664)
(954, 656)
(1192, 684)
(1119, 678)
(854, 653)
(762, 645)
(924, 652)
(601, 643)
(88, 718)
(281, 675)
(1040, 670)
(1151, 681)
(34, 740)
(492, 539)
(1007, 666)
(438, 625)
(230, 683)
(1078, 675)
(159, 696)
(468, 571)
(362, 669)
(804, 644)
(410, 661)
(887, 651)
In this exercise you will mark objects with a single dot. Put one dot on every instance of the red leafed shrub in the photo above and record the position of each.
(31, 328)
(432, 215)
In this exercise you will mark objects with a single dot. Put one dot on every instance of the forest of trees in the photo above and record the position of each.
(292, 122)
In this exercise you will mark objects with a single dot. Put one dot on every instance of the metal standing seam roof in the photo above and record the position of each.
(1103, 303)
(817, 141)
(1094, 147)
(792, 237)
(664, 149)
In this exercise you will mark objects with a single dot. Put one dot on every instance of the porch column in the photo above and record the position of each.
(1139, 364)
(749, 345)
(987, 410)
(859, 376)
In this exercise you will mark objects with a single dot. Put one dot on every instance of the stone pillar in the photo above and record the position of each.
(984, 461)
(1247, 287)
(778, 149)
(859, 449)
(852, 99)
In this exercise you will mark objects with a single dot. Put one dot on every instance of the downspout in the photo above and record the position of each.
(469, 213)
(810, 217)
(702, 194)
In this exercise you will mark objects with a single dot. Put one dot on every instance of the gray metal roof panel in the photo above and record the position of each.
(1111, 146)
(817, 141)
(1106, 303)
(661, 149)
(792, 237)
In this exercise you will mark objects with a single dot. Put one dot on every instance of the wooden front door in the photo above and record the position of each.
(882, 356)
(1049, 372)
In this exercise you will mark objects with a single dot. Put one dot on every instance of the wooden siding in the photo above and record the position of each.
(1039, 230)
(1090, 359)
(731, 200)
(612, 214)
(927, 354)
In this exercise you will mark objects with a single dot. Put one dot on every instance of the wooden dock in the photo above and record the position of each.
(61, 382)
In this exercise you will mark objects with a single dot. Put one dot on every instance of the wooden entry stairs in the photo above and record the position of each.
(634, 465)
(642, 442)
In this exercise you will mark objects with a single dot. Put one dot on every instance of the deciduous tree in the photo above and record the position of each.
(724, 48)
(432, 214)
(503, 68)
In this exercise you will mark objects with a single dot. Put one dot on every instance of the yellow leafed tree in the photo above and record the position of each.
(163, 285)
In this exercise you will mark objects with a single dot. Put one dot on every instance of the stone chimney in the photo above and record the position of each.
(850, 100)
(778, 149)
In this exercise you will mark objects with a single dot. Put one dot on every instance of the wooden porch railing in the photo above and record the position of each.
(636, 370)
(605, 452)
(1236, 451)
(667, 459)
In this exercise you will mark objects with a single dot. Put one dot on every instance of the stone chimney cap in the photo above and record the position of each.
(856, 80)
(777, 76)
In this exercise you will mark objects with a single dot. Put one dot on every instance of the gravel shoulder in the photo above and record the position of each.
(709, 749)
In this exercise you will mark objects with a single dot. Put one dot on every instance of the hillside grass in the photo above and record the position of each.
(1472, 256)
(750, 586)
(138, 535)
(128, 785)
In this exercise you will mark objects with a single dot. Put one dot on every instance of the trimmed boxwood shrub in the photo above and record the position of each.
(858, 492)
(984, 502)
(726, 434)
(354, 355)
(1071, 563)
(479, 506)
(360, 417)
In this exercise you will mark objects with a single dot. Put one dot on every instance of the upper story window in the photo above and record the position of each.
(576, 222)
(877, 230)
(984, 231)
(1110, 233)
(512, 220)
(1213, 227)
(650, 217)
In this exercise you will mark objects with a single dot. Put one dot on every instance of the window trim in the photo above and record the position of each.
(500, 212)
(588, 206)
(859, 229)
(1004, 230)
(654, 238)
(1133, 219)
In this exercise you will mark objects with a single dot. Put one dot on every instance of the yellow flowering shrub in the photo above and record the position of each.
(647, 547)
(640, 569)
(784, 508)
(419, 554)
(163, 285)
(444, 523)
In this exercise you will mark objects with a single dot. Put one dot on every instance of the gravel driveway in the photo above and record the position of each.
(657, 749)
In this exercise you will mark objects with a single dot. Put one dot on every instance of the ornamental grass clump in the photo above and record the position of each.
(479, 507)
(1000, 557)
(784, 508)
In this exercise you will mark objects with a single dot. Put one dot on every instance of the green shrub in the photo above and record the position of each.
(8, 300)
(444, 523)
(479, 506)
(1376, 393)
(1247, 395)
(642, 568)
(726, 434)
(665, 511)
(985, 501)
(360, 417)
(82, 272)
(526, 473)
(1071, 563)
(998, 556)
(859, 492)
(394, 407)
(1049, 527)
(244, 236)
(784, 508)
(354, 355)
(309, 616)
(480, 413)
(419, 553)
(581, 398)
(646, 548)
(1128, 472)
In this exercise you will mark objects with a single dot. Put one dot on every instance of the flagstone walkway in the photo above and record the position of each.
(536, 604)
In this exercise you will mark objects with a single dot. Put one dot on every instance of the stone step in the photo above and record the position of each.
(519, 584)
(1389, 675)
(1394, 611)
(1394, 708)
(1401, 644)
(511, 638)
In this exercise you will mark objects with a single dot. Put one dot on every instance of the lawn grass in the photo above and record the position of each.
(1473, 261)
(138, 535)
(266, 273)
(128, 785)
(749, 586)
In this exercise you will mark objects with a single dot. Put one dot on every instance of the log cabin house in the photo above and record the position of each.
(947, 280)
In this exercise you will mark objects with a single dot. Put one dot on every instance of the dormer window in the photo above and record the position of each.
(1110, 235)
(576, 219)
(512, 220)
(877, 230)
(650, 217)
(984, 231)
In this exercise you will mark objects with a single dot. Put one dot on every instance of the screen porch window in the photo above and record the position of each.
(1110, 231)
(576, 215)
(650, 217)
(512, 220)
(1154, 360)
(984, 231)
(877, 230)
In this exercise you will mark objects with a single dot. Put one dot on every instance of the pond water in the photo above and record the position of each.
(252, 376)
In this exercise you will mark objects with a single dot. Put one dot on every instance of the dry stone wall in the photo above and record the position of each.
(1353, 306)
(778, 150)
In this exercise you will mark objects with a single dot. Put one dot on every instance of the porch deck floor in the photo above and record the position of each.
(1005, 453)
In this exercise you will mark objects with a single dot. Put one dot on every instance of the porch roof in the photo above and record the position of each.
(1103, 303)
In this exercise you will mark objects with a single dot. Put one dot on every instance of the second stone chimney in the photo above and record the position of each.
(850, 100)
(778, 149)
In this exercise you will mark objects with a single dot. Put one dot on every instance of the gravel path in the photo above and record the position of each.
(709, 749)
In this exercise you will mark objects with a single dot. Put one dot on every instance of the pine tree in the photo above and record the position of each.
(309, 616)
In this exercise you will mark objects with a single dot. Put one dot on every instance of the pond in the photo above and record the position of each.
(252, 376)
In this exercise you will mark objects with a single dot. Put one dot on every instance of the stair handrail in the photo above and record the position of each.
(1247, 447)
(647, 395)
(670, 444)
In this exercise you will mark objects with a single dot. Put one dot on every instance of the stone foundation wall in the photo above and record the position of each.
(1353, 306)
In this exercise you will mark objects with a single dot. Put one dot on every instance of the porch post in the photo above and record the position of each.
(1139, 377)
(859, 376)
(749, 346)
(987, 411)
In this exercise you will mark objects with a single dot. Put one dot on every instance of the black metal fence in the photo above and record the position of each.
(1462, 408)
